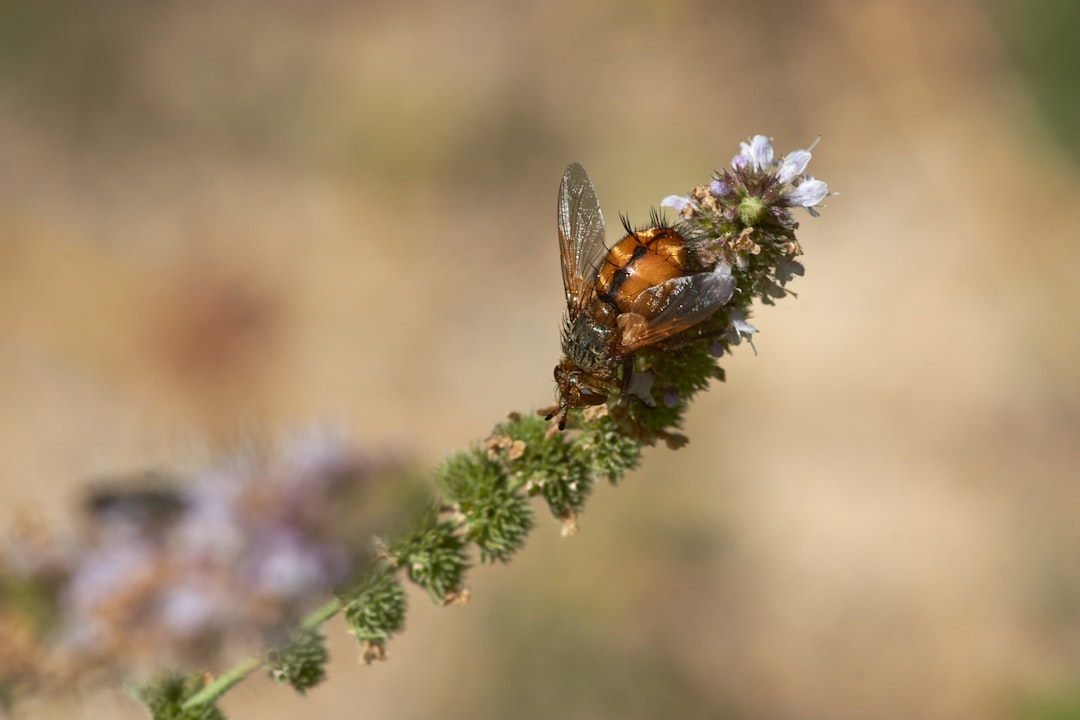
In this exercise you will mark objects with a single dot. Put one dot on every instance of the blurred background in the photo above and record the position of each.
(221, 220)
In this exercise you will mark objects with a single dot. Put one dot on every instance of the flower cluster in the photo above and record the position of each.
(758, 181)
(171, 571)
(741, 221)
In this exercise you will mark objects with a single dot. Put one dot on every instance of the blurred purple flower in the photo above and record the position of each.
(169, 575)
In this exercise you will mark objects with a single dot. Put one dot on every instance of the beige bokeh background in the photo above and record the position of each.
(225, 220)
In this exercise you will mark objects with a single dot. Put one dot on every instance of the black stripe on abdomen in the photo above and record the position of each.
(620, 275)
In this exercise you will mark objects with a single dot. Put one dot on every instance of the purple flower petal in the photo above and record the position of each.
(190, 610)
(718, 189)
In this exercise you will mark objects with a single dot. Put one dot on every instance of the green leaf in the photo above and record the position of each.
(302, 662)
(165, 697)
(434, 557)
(377, 610)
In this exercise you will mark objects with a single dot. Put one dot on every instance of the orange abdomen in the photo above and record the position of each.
(639, 261)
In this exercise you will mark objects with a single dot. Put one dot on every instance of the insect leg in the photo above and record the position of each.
(627, 371)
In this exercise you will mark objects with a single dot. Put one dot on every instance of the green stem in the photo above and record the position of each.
(320, 615)
(209, 694)
(242, 669)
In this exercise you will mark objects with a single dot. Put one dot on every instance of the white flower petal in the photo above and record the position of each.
(641, 387)
(676, 202)
(758, 152)
(793, 165)
(808, 193)
(743, 328)
(722, 282)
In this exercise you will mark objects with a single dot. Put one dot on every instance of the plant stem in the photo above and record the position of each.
(242, 669)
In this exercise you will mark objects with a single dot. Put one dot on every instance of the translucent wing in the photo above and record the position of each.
(673, 306)
(581, 237)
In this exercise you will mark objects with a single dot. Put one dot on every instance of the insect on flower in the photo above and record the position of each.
(635, 295)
